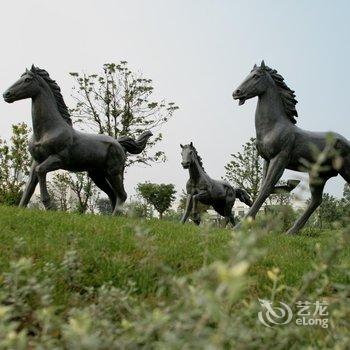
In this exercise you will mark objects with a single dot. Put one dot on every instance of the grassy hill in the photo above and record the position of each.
(81, 254)
(117, 249)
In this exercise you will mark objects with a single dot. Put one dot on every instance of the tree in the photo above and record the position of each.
(119, 102)
(104, 206)
(15, 163)
(330, 210)
(80, 185)
(245, 169)
(346, 194)
(60, 192)
(161, 196)
(345, 203)
(139, 209)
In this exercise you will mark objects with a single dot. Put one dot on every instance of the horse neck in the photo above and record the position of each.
(45, 114)
(269, 111)
(196, 171)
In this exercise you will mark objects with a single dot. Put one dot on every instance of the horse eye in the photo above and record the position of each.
(27, 80)
(256, 76)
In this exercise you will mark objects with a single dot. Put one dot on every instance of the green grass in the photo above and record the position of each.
(111, 250)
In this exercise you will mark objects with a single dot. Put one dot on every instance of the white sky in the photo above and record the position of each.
(196, 52)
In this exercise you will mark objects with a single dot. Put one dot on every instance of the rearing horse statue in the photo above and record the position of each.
(285, 146)
(201, 188)
(57, 145)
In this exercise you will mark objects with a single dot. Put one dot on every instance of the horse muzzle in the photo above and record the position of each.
(185, 165)
(8, 96)
(237, 95)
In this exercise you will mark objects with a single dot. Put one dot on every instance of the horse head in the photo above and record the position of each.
(187, 155)
(27, 86)
(259, 80)
(255, 84)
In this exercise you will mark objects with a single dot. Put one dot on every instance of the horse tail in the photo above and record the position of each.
(243, 196)
(135, 146)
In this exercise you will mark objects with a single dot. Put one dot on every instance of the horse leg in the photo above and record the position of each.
(197, 218)
(189, 205)
(265, 168)
(197, 198)
(316, 199)
(30, 186)
(51, 163)
(115, 178)
(232, 220)
(229, 216)
(227, 220)
(274, 173)
(101, 182)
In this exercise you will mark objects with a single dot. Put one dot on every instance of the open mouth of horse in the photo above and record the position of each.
(241, 99)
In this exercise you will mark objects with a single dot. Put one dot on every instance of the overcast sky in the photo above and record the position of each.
(196, 52)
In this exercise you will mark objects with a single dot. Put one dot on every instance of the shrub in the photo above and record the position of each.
(207, 309)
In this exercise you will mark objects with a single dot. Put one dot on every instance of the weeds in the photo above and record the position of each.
(209, 308)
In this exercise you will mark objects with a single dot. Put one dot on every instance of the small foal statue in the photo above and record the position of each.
(201, 188)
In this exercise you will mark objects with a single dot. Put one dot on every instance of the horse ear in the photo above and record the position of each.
(181, 145)
(191, 144)
(27, 71)
(255, 66)
(32, 68)
(262, 64)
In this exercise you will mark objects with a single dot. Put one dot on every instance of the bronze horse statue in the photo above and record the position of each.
(57, 145)
(201, 188)
(283, 145)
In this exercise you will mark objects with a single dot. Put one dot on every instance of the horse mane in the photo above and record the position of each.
(287, 94)
(199, 158)
(61, 105)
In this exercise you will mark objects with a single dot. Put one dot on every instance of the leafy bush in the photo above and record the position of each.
(208, 309)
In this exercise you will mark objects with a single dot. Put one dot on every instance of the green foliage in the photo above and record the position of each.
(161, 196)
(345, 201)
(331, 211)
(111, 283)
(120, 102)
(172, 215)
(104, 206)
(73, 191)
(59, 191)
(284, 214)
(14, 164)
(346, 194)
(245, 169)
(139, 209)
